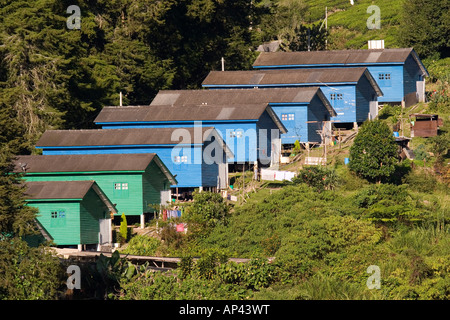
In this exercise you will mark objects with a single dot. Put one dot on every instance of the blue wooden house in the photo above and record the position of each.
(300, 112)
(249, 131)
(398, 72)
(352, 92)
(195, 156)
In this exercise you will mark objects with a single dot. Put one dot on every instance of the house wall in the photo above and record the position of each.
(346, 108)
(128, 201)
(265, 149)
(411, 74)
(243, 149)
(297, 129)
(343, 100)
(364, 95)
(188, 174)
(393, 88)
(317, 113)
(92, 209)
(64, 231)
(153, 182)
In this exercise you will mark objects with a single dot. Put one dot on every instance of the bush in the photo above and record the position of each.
(389, 203)
(318, 177)
(142, 245)
(373, 154)
(123, 230)
(207, 210)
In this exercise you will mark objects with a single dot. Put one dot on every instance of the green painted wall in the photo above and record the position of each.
(64, 229)
(153, 181)
(129, 201)
(92, 209)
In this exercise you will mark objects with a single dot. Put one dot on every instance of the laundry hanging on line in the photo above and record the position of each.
(169, 214)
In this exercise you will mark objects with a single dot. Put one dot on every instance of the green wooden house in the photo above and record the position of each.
(71, 212)
(133, 182)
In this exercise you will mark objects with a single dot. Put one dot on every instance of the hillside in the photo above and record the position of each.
(347, 23)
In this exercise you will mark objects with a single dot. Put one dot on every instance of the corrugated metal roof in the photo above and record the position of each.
(57, 189)
(246, 98)
(332, 57)
(180, 113)
(272, 77)
(83, 162)
(104, 137)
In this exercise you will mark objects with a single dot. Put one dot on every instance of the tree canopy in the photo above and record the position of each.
(373, 154)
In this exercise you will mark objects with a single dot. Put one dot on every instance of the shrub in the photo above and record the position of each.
(389, 203)
(373, 154)
(317, 177)
(123, 230)
(207, 210)
(142, 245)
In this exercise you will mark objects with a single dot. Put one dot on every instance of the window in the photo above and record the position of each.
(384, 79)
(179, 159)
(58, 218)
(287, 117)
(339, 96)
(236, 134)
(333, 96)
(121, 189)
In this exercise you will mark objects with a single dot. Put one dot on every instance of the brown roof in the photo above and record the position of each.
(105, 137)
(83, 162)
(332, 57)
(180, 113)
(346, 57)
(57, 189)
(233, 97)
(270, 77)
(42, 190)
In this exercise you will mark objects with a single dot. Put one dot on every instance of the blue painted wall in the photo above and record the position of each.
(294, 117)
(392, 88)
(343, 100)
(365, 93)
(241, 137)
(411, 74)
(189, 173)
(343, 97)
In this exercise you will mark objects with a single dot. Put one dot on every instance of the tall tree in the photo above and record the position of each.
(425, 25)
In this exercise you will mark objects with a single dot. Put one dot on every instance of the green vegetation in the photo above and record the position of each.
(373, 154)
(310, 239)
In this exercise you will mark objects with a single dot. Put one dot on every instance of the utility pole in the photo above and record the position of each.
(326, 27)
(223, 63)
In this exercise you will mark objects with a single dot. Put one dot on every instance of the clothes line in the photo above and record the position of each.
(273, 175)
